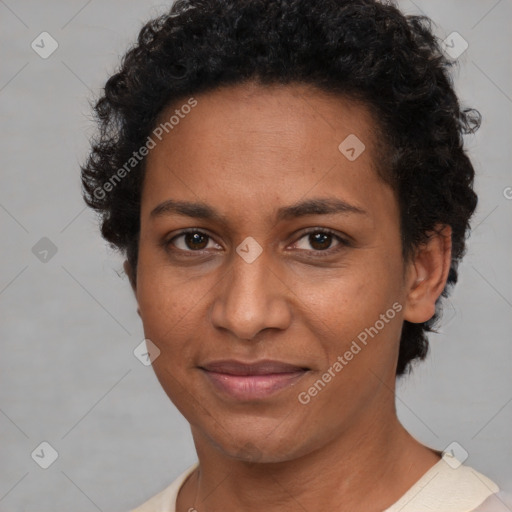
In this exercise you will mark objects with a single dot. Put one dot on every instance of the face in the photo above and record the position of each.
(265, 253)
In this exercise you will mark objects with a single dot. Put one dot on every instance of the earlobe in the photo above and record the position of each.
(428, 272)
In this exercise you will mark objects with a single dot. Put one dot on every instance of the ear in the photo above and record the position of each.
(131, 276)
(427, 274)
(129, 272)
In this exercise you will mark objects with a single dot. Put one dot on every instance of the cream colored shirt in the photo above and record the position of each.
(445, 487)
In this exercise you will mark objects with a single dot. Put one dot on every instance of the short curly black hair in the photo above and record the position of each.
(362, 49)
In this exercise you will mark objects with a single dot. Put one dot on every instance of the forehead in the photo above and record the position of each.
(251, 146)
(295, 113)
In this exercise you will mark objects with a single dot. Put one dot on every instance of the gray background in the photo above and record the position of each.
(69, 325)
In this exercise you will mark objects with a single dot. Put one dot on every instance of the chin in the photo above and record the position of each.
(258, 448)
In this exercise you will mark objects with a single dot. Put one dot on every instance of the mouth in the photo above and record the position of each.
(251, 381)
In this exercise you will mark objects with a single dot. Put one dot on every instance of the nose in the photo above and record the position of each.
(250, 298)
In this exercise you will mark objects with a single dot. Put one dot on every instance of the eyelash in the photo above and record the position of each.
(314, 253)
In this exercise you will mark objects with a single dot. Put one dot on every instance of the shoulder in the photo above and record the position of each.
(165, 500)
(447, 487)
(499, 502)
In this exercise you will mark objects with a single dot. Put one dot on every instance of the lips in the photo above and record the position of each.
(251, 381)
(231, 367)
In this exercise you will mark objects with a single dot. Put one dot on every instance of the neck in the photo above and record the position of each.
(365, 469)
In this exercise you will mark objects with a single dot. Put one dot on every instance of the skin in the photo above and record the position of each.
(247, 150)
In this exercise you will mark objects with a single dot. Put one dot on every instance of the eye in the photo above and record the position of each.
(318, 239)
(191, 240)
(321, 240)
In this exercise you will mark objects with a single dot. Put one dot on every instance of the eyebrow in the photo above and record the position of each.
(317, 206)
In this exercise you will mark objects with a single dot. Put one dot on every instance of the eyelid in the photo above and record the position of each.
(169, 240)
(344, 241)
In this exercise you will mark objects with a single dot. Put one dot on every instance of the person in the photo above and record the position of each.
(288, 183)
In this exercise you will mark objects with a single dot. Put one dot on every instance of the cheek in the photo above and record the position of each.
(348, 308)
(169, 312)
(353, 297)
(167, 300)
